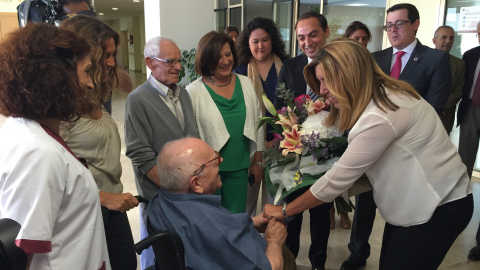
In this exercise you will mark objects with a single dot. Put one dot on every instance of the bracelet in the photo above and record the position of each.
(284, 211)
(259, 164)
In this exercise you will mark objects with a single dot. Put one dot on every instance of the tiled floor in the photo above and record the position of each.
(339, 237)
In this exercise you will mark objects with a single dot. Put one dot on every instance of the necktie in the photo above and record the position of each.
(311, 94)
(174, 102)
(476, 93)
(397, 66)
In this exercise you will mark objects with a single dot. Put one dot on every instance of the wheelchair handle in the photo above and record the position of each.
(142, 199)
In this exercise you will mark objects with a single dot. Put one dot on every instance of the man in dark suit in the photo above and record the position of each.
(428, 71)
(443, 39)
(312, 31)
(468, 117)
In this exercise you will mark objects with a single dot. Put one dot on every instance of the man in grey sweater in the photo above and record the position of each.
(155, 113)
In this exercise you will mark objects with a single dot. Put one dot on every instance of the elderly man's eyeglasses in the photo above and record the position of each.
(170, 62)
(398, 24)
(218, 159)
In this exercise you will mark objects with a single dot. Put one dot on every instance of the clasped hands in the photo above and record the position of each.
(273, 211)
(270, 212)
(275, 231)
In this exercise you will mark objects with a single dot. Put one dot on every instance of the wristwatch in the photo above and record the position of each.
(260, 164)
(284, 211)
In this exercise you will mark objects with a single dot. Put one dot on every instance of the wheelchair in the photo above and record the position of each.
(167, 247)
(11, 256)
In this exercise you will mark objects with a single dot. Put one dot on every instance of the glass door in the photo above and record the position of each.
(283, 11)
(463, 17)
(236, 17)
(340, 13)
(220, 19)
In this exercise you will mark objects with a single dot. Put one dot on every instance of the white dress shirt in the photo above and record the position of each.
(408, 52)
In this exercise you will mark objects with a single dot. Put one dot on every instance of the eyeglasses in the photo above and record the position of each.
(218, 158)
(398, 24)
(170, 62)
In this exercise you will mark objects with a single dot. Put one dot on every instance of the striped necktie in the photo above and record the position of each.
(311, 94)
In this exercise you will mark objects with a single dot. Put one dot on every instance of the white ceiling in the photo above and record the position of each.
(126, 8)
(129, 8)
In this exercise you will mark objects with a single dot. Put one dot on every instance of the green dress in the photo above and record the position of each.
(236, 152)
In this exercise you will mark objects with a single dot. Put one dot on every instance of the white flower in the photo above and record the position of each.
(314, 123)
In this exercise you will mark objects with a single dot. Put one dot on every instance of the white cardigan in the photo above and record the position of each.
(212, 128)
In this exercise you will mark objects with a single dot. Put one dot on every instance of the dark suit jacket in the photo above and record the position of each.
(458, 79)
(471, 59)
(291, 74)
(427, 70)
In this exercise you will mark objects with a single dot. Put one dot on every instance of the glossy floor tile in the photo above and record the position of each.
(339, 237)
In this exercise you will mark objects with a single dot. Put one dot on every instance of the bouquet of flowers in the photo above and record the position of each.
(307, 148)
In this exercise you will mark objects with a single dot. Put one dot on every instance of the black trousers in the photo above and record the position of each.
(478, 235)
(424, 246)
(319, 230)
(363, 219)
(119, 240)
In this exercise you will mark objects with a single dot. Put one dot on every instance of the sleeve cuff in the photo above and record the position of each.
(34, 246)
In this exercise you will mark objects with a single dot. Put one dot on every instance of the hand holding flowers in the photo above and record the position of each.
(300, 123)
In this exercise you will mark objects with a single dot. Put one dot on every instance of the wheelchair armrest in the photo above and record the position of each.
(11, 256)
(153, 238)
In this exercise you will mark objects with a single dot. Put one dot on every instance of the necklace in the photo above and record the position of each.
(221, 85)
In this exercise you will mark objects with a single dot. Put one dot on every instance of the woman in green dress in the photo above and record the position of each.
(227, 110)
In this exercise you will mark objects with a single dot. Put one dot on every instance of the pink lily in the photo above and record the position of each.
(292, 142)
(314, 107)
(287, 120)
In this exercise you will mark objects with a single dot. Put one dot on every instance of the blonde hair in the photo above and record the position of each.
(354, 79)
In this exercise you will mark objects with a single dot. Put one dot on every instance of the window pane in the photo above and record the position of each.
(283, 18)
(236, 17)
(464, 20)
(222, 4)
(235, 2)
(308, 5)
(257, 8)
(220, 19)
(340, 14)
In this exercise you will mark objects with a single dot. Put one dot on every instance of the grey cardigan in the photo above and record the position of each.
(149, 124)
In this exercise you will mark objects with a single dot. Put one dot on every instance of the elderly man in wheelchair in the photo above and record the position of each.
(212, 236)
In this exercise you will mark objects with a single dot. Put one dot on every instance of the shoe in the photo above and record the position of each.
(332, 217)
(345, 221)
(319, 268)
(352, 263)
(474, 254)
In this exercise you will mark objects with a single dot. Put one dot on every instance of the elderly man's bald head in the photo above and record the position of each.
(186, 162)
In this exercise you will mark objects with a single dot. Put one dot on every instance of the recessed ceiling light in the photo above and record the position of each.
(101, 14)
(357, 5)
(114, 8)
(136, 1)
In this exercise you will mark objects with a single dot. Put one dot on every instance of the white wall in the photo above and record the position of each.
(432, 13)
(152, 18)
(9, 5)
(184, 21)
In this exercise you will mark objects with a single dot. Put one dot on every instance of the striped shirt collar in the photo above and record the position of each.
(162, 89)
